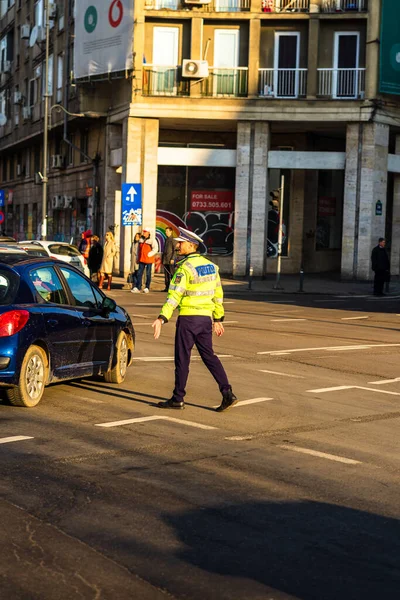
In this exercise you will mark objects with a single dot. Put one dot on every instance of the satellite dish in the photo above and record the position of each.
(34, 36)
(3, 120)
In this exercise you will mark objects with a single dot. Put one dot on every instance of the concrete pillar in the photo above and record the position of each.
(365, 184)
(395, 238)
(254, 57)
(372, 49)
(297, 223)
(260, 203)
(139, 165)
(242, 186)
(112, 179)
(313, 45)
(196, 39)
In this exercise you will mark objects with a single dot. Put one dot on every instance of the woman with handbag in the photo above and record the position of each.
(107, 265)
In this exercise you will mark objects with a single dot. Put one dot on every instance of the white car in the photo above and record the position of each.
(61, 251)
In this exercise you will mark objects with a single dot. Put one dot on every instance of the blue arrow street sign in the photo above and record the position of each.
(2, 197)
(131, 204)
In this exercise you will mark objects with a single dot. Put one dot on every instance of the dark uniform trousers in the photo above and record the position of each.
(197, 331)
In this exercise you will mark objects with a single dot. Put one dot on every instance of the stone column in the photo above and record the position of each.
(372, 49)
(352, 174)
(259, 192)
(313, 45)
(254, 56)
(242, 184)
(395, 241)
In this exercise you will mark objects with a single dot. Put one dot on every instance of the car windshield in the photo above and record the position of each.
(36, 252)
(9, 283)
(64, 250)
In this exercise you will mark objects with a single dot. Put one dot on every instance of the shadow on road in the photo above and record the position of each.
(310, 550)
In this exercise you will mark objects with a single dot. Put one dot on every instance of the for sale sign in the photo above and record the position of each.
(209, 201)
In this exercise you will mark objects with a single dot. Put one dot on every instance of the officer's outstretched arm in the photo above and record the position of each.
(218, 313)
(176, 290)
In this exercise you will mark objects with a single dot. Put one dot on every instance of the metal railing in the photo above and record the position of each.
(344, 5)
(282, 83)
(164, 81)
(341, 83)
(228, 82)
(274, 6)
(212, 6)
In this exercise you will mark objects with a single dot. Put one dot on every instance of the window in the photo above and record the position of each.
(16, 108)
(48, 286)
(60, 77)
(71, 150)
(81, 289)
(84, 145)
(9, 283)
(64, 250)
(50, 81)
(39, 13)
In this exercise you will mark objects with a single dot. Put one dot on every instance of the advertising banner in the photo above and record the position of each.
(209, 201)
(389, 78)
(131, 204)
(103, 37)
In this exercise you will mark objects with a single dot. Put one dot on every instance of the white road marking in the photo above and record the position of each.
(171, 358)
(155, 418)
(347, 461)
(229, 302)
(143, 316)
(286, 320)
(229, 322)
(281, 302)
(15, 438)
(148, 304)
(246, 402)
(239, 438)
(384, 298)
(283, 374)
(353, 318)
(384, 381)
(329, 348)
(144, 323)
(352, 387)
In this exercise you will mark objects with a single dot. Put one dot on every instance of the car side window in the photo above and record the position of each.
(98, 296)
(81, 289)
(48, 286)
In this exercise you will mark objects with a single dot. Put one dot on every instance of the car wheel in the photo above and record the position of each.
(32, 379)
(117, 373)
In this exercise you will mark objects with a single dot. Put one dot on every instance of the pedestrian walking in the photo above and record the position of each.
(95, 257)
(168, 257)
(107, 264)
(196, 291)
(134, 261)
(147, 252)
(380, 266)
(84, 244)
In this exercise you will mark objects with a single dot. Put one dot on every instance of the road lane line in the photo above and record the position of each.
(154, 418)
(283, 374)
(171, 358)
(15, 438)
(353, 318)
(341, 459)
(377, 391)
(246, 402)
(384, 381)
(281, 302)
(286, 320)
(329, 348)
(331, 389)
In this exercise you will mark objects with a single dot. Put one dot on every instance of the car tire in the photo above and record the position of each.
(32, 379)
(118, 372)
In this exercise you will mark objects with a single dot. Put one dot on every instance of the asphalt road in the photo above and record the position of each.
(294, 493)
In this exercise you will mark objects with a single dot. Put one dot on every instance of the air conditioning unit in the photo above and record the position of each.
(52, 10)
(67, 200)
(194, 68)
(25, 31)
(57, 202)
(26, 113)
(7, 66)
(57, 161)
(17, 97)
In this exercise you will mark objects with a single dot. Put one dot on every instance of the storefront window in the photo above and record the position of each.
(329, 210)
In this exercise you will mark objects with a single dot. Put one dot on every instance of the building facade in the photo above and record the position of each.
(229, 101)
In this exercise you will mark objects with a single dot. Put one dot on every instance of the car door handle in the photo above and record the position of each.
(52, 322)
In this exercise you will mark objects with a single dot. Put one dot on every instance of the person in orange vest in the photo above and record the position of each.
(85, 245)
(147, 253)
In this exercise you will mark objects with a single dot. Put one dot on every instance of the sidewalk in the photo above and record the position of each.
(330, 285)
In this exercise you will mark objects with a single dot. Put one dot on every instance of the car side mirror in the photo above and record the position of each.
(108, 305)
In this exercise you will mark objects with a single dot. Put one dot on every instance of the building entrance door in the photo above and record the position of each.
(286, 67)
(345, 81)
(165, 61)
(226, 61)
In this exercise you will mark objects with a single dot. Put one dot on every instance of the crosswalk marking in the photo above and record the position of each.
(342, 459)
(154, 418)
(283, 374)
(15, 438)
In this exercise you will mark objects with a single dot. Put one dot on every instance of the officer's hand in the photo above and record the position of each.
(218, 328)
(157, 328)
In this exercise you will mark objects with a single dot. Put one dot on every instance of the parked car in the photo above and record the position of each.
(33, 249)
(56, 325)
(62, 251)
(5, 239)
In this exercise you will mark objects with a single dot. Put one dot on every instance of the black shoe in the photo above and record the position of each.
(228, 400)
(172, 403)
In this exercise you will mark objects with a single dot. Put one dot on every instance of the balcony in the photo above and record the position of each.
(211, 6)
(282, 83)
(341, 84)
(164, 81)
(278, 6)
(338, 6)
(225, 83)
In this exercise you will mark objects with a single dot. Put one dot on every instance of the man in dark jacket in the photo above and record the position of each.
(380, 266)
(168, 257)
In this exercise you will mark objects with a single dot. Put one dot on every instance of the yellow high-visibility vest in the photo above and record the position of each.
(195, 289)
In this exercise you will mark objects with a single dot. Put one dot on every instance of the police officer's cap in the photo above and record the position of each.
(188, 236)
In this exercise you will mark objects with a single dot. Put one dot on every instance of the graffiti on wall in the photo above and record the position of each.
(215, 229)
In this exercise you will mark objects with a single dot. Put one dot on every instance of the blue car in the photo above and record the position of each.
(55, 325)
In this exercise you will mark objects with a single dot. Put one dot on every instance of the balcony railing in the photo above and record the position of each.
(212, 6)
(164, 81)
(344, 6)
(346, 84)
(274, 6)
(282, 83)
(225, 82)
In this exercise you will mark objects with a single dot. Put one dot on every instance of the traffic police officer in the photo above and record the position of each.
(197, 293)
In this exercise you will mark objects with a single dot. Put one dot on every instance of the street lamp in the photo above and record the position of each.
(45, 179)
